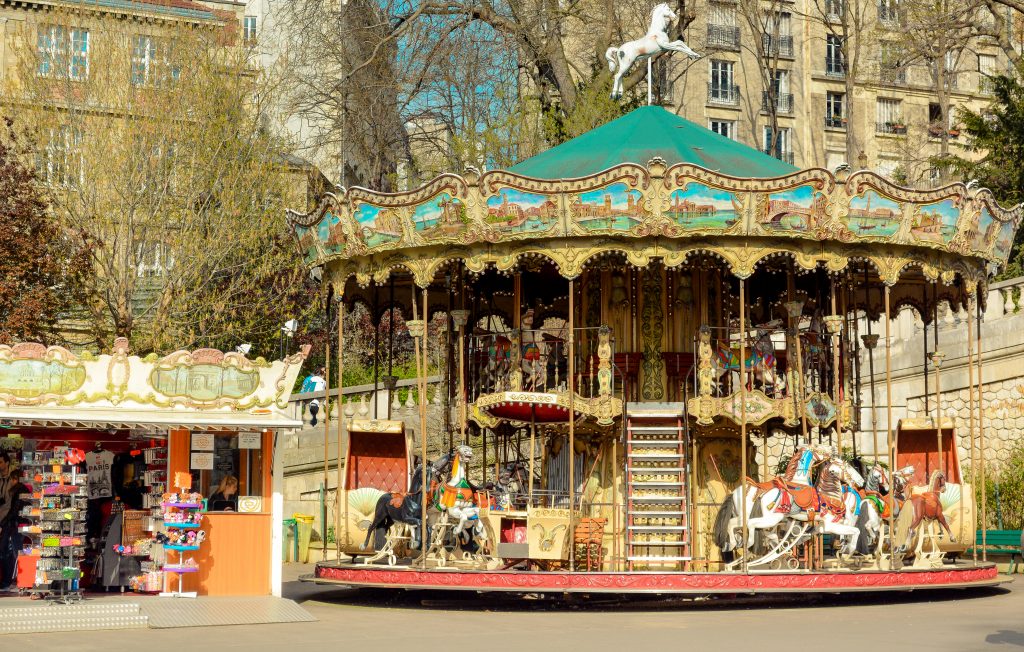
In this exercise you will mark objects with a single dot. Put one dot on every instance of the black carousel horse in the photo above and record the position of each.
(406, 508)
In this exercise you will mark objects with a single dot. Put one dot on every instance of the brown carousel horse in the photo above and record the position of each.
(928, 505)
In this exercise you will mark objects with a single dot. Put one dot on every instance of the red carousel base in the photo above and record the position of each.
(696, 584)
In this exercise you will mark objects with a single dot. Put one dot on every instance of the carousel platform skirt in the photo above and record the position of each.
(695, 584)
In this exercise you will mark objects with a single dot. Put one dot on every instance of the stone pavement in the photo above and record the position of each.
(957, 621)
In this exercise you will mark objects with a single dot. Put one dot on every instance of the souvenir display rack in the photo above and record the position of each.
(182, 518)
(58, 523)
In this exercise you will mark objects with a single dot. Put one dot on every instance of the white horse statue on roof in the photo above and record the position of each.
(621, 59)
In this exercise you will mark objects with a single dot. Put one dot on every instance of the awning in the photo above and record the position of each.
(163, 419)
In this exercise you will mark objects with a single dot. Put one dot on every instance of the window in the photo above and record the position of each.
(60, 162)
(249, 29)
(780, 91)
(783, 146)
(721, 89)
(892, 68)
(889, 117)
(151, 62)
(835, 113)
(778, 39)
(986, 71)
(723, 32)
(834, 9)
(63, 52)
(232, 458)
(889, 12)
(725, 128)
(834, 64)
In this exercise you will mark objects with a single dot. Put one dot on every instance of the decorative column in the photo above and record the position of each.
(834, 323)
(870, 342)
(460, 317)
(795, 310)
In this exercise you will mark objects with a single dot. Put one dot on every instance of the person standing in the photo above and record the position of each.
(9, 507)
(314, 383)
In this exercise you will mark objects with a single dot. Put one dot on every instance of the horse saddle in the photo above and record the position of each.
(881, 502)
(397, 499)
(764, 487)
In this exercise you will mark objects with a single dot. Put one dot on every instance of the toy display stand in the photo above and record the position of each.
(182, 520)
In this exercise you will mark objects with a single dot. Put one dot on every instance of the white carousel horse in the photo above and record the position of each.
(621, 59)
(456, 498)
(760, 500)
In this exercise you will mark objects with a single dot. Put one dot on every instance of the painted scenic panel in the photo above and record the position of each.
(798, 209)
(699, 207)
(1004, 240)
(614, 208)
(873, 215)
(307, 243)
(205, 382)
(521, 212)
(33, 378)
(379, 225)
(330, 232)
(936, 222)
(439, 217)
(988, 227)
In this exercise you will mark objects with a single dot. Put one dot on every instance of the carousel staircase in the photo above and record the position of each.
(657, 502)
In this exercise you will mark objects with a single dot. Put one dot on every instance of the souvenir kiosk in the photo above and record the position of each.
(120, 452)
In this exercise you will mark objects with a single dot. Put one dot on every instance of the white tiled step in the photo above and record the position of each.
(658, 528)
(664, 429)
(658, 512)
(653, 469)
(657, 499)
(646, 558)
(654, 483)
(655, 456)
(658, 544)
(664, 443)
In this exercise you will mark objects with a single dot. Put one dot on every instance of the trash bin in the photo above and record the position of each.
(288, 539)
(304, 531)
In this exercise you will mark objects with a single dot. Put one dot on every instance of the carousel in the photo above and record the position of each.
(656, 350)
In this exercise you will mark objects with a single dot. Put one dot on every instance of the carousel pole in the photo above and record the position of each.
(981, 439)
(533, 455)
(572, 420)
(835, 327)
(341, 429)
(420, 386)
(970, 403)
(870, 341)
(892, 450)
(327, 409)
(743, 414)
(795, 310)
(464, 320)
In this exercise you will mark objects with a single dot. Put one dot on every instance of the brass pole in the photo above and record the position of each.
(893, 446)
(981, 441)
(937, 361)
(970, 408)
(421, 376)
(836, 394)
(340, 488)
(327, 412)
(615, 503)
(743, 419)
(572, 421)
(533, 454)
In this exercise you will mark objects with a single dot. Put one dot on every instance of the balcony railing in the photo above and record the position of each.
(986, 86)
(783, 102)
(891, 127)
(935, 131)
(835, 122)
(835, 68)
(897, 76)
(724, 94)
(777, 45)
(725, 37)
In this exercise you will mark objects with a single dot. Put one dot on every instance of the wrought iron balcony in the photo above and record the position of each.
(723, 94)
(835, 68)
(783, 102)
(777, 45)
(835, 121)
(895, 127)
(895, 76)
(725, 37)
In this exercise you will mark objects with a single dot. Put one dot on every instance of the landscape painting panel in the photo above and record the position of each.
(936, 222)
(614, 208)
(798, 209)
(698, 207)
(521, 212)
(874, 215)
(380, 226)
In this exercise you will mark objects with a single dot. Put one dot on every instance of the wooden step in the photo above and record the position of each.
(657, 528)
(650, 558)
(665, 429)
(658, 544)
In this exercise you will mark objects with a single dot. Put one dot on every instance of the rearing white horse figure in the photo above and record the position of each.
(621, 59)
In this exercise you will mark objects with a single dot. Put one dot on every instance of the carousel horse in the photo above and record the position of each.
(499, 356)
(760, 364)
(928, 505)
(535, 355)
(456, 498)
(621, 59)
(816, 354)
(399, 507)
(759, 499)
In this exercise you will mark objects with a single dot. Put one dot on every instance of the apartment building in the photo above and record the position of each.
(886, 114)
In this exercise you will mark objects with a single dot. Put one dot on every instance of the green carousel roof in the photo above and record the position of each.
(642, 134)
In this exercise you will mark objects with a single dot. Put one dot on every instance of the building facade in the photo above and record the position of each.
(848, 79)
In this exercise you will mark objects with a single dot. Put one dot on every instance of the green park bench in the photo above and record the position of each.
(1001, 542)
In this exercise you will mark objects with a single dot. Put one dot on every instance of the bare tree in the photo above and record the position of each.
(767, 22)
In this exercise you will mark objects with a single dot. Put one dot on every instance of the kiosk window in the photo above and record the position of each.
(232, 459)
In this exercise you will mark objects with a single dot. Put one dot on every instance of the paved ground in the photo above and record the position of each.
(959, 621)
